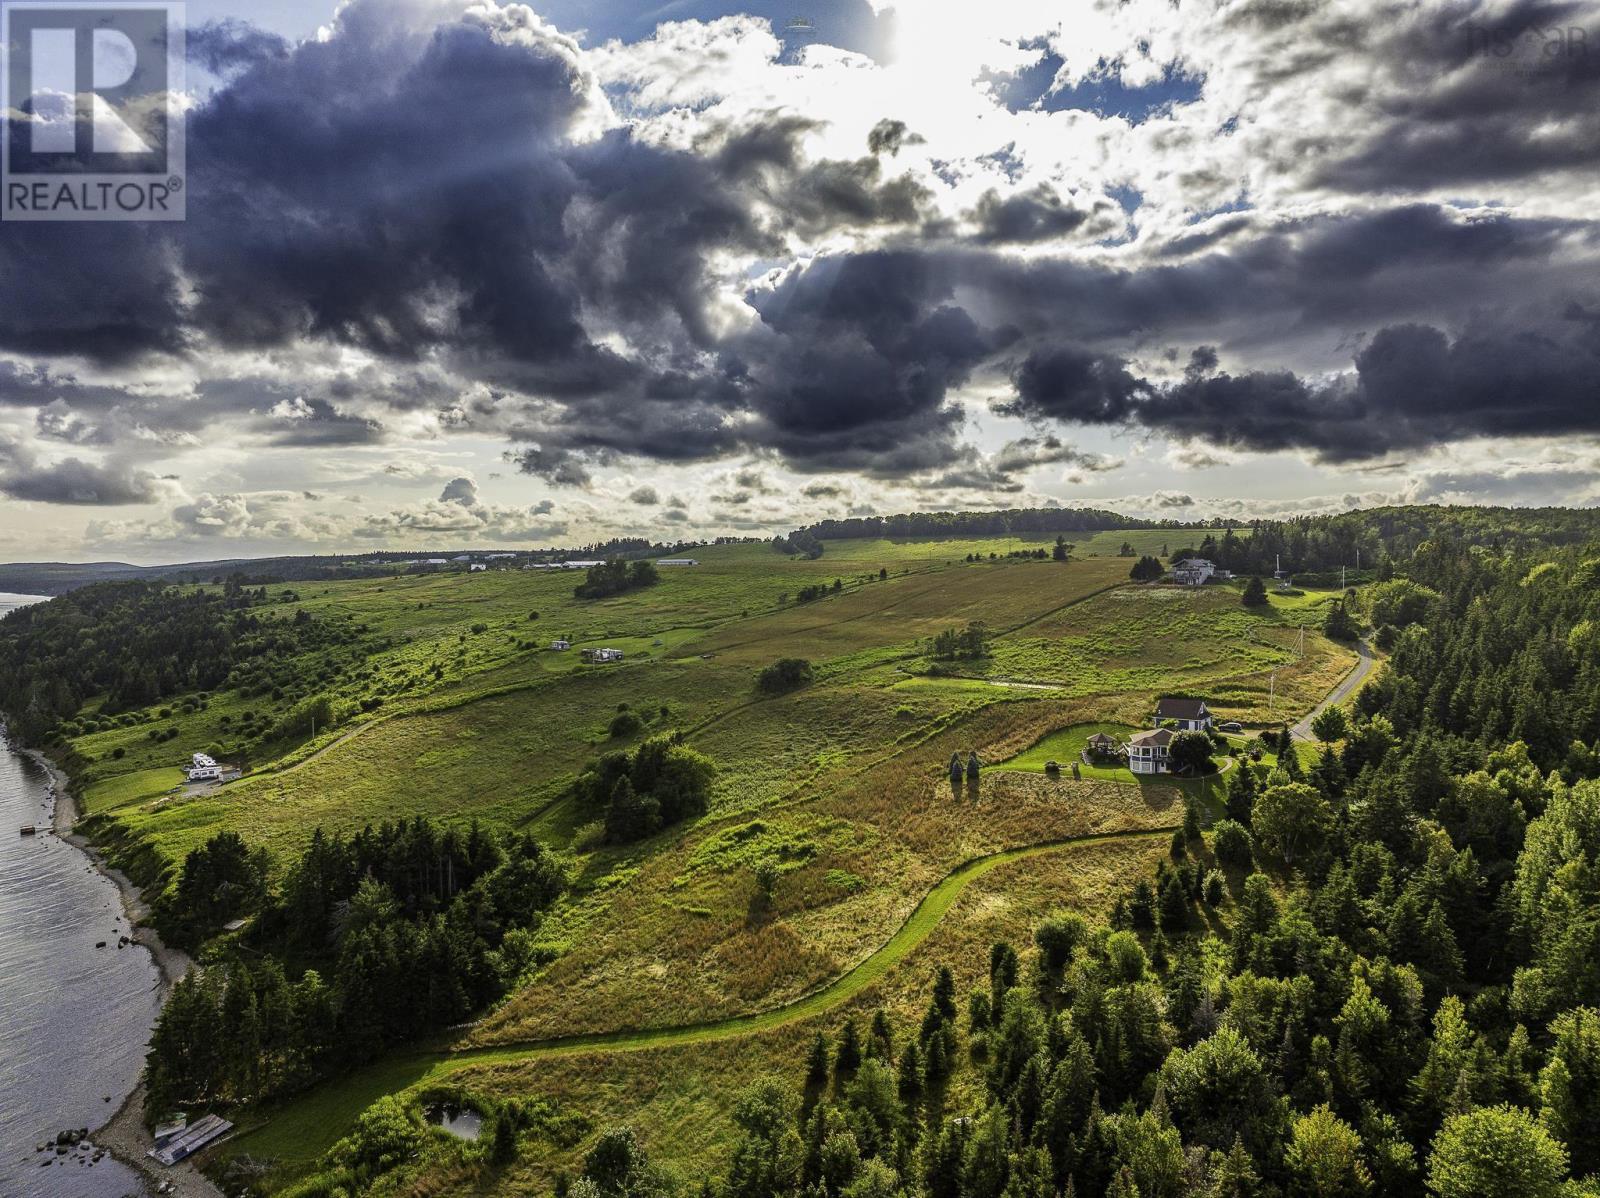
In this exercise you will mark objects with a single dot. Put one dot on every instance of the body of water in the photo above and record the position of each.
(74, 1016)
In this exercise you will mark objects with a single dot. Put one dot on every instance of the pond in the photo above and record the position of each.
(460, 1121)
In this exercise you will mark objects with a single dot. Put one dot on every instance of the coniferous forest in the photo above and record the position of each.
(1407, 1000)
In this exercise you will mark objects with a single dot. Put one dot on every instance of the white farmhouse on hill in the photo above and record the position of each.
(204, 769)
(1193, 571)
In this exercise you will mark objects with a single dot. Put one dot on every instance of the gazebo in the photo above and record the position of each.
(1103, 744)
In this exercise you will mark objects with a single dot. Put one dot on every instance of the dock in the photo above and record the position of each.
(192, 1139)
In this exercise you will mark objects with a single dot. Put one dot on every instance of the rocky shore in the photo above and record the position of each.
(124, 1135)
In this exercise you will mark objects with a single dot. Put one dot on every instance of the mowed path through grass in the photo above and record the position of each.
(304, 1131)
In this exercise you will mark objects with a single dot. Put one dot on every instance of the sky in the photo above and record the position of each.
(476, 273)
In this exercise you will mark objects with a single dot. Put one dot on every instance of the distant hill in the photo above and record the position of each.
(57, 578)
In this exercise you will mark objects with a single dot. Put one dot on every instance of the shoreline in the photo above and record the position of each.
(124, 1134)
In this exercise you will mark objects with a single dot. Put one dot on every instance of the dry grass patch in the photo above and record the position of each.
(681, 1099)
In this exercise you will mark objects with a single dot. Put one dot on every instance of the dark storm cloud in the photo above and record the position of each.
(72, 480)
(1072, 384)
(32, 386)
(823, 491)
(1027, 453)
(1484, 94)
(1413, 387)
(558, 466)
(1038, 214)
(227, 45)
(767, 161)
(856, 360)
(460, 490)
(888, 136)
(556, 287)
(106, 291)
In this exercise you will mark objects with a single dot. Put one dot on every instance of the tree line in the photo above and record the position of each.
(136, 643)
(376, 939)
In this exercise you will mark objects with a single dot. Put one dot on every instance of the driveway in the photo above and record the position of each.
(1363, 667)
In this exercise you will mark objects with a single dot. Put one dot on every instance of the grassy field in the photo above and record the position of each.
(311, 1129)
(883, 867)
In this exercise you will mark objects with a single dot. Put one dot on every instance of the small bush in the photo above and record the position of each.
(624, 724)
(786, 674)
(1232, 844)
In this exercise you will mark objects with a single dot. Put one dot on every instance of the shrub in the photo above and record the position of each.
(1232, 844)
(1147, 569)
(625, 724)
(785, 674)
(1058, 937)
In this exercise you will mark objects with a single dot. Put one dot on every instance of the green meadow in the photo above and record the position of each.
(458, 710)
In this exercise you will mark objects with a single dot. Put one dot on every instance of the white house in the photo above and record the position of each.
(475, 567)
(602, 654)
(1148, 752)
(560, 643)
(1189, 715)
(1193, 571)
(676, 561)
(204, 769)
(574, 564)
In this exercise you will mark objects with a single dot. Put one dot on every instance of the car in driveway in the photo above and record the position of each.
(1230, 726)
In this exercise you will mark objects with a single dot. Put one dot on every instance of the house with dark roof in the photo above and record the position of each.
(1187, 715)
(1150, 752)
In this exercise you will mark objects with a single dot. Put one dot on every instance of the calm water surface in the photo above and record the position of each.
(74, 1018)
